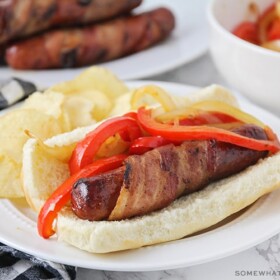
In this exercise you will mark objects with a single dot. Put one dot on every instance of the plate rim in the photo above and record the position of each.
(105, 265)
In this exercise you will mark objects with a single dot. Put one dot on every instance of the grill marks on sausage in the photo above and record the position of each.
(84, 2)
(20, 19)
(126, 177)
(194, 172)
(69, 58)
(155, 179)
(92, 44)
(49, 11)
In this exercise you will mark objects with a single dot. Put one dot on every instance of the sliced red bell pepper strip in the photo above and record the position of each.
(86, 149)
(131, 115)
(247, 31)
(143, 144)
(124, 134)
(62, 194)
(182, 133)
(208, 118)
(130, 134)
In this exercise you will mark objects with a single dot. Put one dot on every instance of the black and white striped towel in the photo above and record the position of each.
(20, 266)
(14, 90)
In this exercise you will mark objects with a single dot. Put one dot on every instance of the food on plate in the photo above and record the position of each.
(77, 33)
(14, 125)
(153, 180)
(93, 43)
(94, 78)
(157, 173)
(14, 90)
(23, 18)
(265, 31)
(94, 92)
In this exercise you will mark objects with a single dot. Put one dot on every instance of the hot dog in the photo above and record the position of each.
(92, 44)
(19, 19)
(168, 171)
(166, 193)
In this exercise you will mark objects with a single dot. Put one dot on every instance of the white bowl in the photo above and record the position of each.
(250, 69)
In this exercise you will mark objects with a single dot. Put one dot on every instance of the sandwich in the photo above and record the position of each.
(154, 174)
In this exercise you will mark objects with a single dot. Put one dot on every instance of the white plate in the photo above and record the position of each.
(188, 41)
(256, 224)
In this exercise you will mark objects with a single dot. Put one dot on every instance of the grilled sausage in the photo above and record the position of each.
(93, 44)
(20, 18)
(155, 179)
(99, 192)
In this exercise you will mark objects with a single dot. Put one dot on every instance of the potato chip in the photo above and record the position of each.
(51, 103)
(102, 103)
(10, 178)
(48, 102)
(79, 110)
(94, 78)
(122, 104)
(13, 125)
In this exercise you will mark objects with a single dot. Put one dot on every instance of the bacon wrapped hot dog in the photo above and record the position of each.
(155, 179)
(92, 44)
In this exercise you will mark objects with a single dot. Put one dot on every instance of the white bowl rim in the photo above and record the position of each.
(214, 22)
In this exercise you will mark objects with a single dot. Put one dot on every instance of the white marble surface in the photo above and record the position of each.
(261, 262)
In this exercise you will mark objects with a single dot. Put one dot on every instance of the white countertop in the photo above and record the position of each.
(261, 262)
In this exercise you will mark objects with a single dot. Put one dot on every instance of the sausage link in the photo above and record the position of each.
(97, 196)
(157, 178)
(21, 18)
(93, 44)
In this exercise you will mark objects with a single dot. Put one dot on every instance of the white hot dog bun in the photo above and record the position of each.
(45, 167)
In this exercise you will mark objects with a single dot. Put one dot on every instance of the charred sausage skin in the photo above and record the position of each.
(158, 177)
(92, 44)
(21, 18)
(100, 199)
